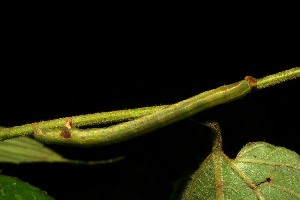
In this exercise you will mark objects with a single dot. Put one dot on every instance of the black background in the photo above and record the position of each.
(57, 65)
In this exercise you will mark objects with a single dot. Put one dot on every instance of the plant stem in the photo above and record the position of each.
(129, 114)
(81, 120)
(277, 78)
(68, 135)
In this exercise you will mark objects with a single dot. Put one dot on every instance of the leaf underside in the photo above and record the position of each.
(22, 150)
(260, 171)
(28, 150)
(13, 188)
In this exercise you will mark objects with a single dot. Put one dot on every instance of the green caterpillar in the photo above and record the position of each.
(69, 135)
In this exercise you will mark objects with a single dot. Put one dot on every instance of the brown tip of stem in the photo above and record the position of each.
(252, 81)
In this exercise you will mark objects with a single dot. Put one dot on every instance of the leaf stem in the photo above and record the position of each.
(217, 157)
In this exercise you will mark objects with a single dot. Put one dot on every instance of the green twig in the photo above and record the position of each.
(80, 120)
(278, 78)
(70, 135)
(123, 115)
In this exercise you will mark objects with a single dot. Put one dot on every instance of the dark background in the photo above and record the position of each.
(57, 65)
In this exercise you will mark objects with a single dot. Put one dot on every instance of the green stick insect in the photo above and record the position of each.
(64, 131)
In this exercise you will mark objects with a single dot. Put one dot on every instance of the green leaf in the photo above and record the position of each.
(260, 171)
(27, 150)
(21, 150)
(12, 188)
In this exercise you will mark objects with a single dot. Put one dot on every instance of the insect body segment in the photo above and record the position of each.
(66, 130)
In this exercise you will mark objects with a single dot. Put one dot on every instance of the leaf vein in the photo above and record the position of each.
(257, 161)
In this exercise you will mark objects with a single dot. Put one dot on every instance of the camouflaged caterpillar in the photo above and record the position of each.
(69, 135)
